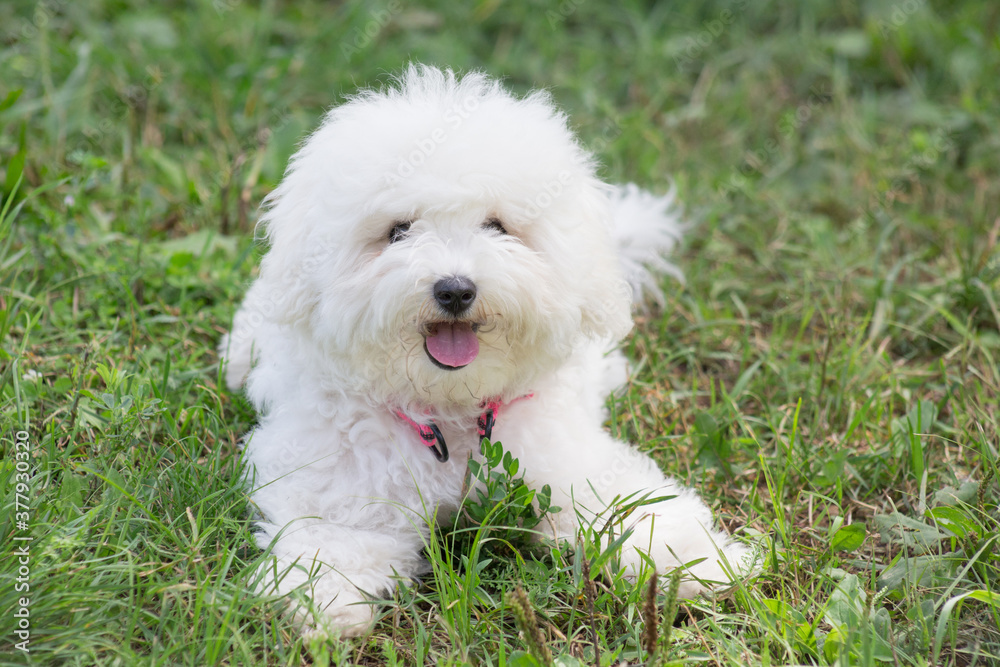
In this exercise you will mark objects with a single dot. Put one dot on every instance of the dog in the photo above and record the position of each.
(445, 265)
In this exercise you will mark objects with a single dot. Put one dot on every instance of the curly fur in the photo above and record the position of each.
(330, 338)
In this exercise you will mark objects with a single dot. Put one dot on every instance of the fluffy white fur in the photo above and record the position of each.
(330, 338)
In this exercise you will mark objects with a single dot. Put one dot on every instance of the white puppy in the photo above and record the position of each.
(443, 255)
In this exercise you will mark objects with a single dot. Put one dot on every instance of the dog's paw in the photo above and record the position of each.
(349, 614)
(717, 572)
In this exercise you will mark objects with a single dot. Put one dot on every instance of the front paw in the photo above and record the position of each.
(349, 614)
(322, 602)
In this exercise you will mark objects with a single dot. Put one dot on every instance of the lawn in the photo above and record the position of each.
(828, 376)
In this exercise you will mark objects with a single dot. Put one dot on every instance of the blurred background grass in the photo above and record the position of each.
(831, 360)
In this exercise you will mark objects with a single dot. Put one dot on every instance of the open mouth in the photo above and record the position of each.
(451, 345)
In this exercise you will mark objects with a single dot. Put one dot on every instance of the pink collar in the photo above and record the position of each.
(431, 434)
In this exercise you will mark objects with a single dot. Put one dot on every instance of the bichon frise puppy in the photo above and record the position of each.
(445, 265)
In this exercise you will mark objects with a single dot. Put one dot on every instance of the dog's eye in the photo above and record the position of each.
(495, 225)
(399, 230)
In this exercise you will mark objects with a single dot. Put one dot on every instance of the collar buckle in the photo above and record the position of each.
(438, 447)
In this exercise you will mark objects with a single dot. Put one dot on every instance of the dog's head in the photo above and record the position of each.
(443, 241)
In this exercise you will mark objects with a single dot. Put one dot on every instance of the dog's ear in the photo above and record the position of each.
(289, 271)
(606, 312)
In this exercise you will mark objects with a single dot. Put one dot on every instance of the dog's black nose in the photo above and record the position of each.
(455, 294)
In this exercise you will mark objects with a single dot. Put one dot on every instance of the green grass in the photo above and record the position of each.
(828, 377)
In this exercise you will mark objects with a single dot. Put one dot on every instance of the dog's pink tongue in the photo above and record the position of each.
(454, 344)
